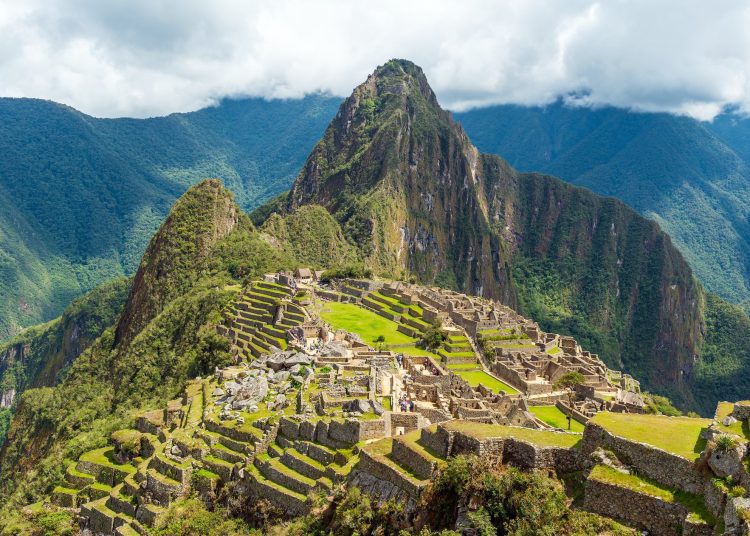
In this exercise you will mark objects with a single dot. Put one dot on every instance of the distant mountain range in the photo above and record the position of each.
(80, 196)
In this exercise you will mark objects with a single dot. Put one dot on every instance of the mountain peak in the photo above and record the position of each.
(177, 253)
(401, 77)
(391, 119)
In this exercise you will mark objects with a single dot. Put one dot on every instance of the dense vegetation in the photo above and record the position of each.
(40, 355)
(724, 367)
(80, 197)
(691, 177)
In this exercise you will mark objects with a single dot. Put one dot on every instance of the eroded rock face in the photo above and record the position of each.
(728, 463)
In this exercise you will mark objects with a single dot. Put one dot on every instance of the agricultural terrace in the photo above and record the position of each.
(541, 438)
(475, 376)
(554, 417)
(364, 323)
(694, 503)
(678, 435)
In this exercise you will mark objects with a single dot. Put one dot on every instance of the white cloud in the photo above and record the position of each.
(152, 57)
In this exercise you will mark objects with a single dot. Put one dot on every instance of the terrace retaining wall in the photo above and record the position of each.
(658, 517)
(665, 467)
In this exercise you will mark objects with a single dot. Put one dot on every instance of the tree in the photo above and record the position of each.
(380, 340)
(569, 381)
(432, 338)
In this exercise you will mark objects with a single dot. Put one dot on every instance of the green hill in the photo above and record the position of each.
(80, 196)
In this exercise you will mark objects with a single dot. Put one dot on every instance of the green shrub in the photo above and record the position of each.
(725, 443)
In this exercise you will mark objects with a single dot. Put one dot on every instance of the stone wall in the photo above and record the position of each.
(577, 415)
(408, 421)
(403, 455)
(667, 468)
(382, 490)
(382, 471)
(644, 512)
(261, 490)
(741, 412)
(511, 376)
(439, 440)
(434, 415)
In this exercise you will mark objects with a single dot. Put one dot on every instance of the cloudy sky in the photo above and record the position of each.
(152, 57)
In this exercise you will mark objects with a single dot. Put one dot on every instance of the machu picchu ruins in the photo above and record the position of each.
(310, 403)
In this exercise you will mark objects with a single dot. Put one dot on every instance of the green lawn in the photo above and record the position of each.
(554, 417)
(364, 323)
(414, 350)
(543, 438)
(739, 428)
(462, 366)
(678, 435)
(475, 377)
(693, 503)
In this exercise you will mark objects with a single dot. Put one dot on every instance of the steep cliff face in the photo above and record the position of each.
(619, 283)
(177, 254)
(416, 196)
(36, 357)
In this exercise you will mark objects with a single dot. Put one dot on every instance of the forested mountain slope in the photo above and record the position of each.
(80, 196)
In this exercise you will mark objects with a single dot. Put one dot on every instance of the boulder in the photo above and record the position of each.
(356, 406)
(377, 407)
(281, 376)
(280, 402)
(252, 391)
(277, 361)
(218, 392)
(728, 420)
(232, 388)
(297, 359)
(729, 463)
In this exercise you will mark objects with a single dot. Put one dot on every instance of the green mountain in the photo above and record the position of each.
(80, 196)
(394, 187)
(409, 188)
(691, 177)
(39, 356)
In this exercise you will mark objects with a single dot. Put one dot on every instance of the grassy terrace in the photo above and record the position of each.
(694, 503)
(476, 376)
(364, 323)
(678, 435)
(740, 428)
(540, 438)
(105, 457)
(554, 417)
